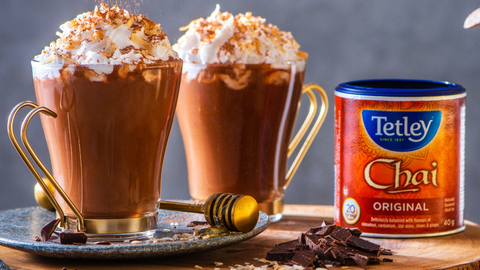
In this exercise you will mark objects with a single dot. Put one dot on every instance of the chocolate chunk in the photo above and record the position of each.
(360, 260)
(72, 237)
(303, 258)
(345, 252)
(48, 229)
(322, 231)
(283, 252)
(355, 232)
(301, 238)
(36, 238)
(387, 259)
(312, 241)
(341, 234)
(364, 244)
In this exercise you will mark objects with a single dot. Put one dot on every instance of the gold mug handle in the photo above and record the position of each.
(26, 121)
(305, 126)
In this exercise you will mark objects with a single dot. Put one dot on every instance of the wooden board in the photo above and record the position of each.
(458, 251)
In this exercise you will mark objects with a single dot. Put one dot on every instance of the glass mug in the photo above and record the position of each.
(237, 123)
(107, 134)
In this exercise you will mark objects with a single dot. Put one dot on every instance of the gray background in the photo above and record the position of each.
(346, 40)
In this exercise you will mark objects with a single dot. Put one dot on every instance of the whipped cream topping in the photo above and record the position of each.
(228, 39)
(108, 36)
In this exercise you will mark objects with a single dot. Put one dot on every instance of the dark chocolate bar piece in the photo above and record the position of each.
(284, 251)
(341, 234)
(47, 230)
(72, 237)
(364, 244)
(355, 232)
(303, 258)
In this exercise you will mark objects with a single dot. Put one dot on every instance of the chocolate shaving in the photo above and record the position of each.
(47, 230)
(328, 245)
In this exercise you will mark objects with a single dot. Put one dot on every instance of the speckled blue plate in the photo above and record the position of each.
(18, 227)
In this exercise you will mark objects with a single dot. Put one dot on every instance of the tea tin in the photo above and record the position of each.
(400, 157)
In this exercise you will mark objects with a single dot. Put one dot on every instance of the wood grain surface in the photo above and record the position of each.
(458, 251)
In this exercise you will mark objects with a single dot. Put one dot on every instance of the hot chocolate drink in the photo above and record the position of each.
(237, 140)
(108, 141)
(112, 79)
(241, 87)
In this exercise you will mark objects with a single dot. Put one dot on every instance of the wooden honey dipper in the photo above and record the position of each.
(235, 212)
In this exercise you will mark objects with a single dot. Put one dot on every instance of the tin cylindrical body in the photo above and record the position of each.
(399, 157)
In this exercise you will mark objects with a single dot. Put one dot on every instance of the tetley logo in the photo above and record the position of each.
(401, 131)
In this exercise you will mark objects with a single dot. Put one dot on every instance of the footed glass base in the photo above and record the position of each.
(275, 218)
(140, 228)
(273, 209)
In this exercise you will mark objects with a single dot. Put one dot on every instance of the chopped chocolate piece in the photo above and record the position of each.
(387, 259)
(102, 243)
(328, 245)
(36, 238)
(360, 260)
(341, 234)
(301, 238)
(327, 223)
(72, 238)
(325, 230)
(196, 223)
(303, 258)
(355, 232)
(364, 244)
(312, 241)
(283, 252)
(48, 229)
(385, 251)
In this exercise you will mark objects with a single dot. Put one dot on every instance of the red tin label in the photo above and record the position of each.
(399, 164)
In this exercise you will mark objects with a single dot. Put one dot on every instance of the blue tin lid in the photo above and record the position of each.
(400, 88)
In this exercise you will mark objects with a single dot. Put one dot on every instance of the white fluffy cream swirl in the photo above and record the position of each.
(225, 38)
(108, 36)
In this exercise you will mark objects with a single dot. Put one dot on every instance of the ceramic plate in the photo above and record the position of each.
(18, 227)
